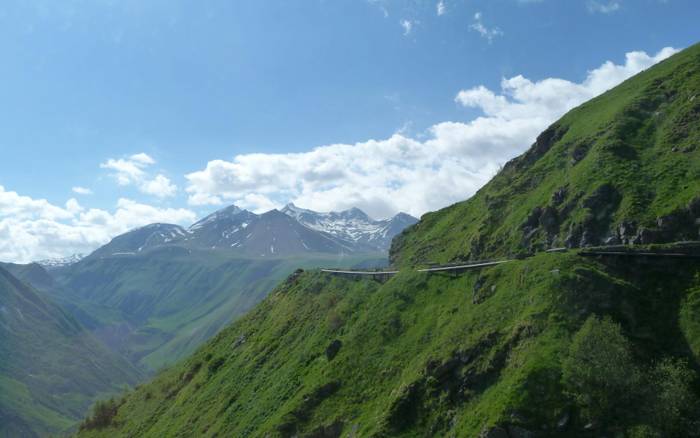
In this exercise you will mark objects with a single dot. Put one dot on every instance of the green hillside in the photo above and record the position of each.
(159, 305)
(621, 168)
(554, 344)
(51, 368)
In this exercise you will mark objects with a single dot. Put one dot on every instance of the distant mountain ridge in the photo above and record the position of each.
(59, 262)
(276, 233)
(353, 225)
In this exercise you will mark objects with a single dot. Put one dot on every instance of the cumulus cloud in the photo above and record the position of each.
(485, 32)
(82, 190)
(401, 173)
(603, 7)
(34, 229)
(159, 186)
(133, 171)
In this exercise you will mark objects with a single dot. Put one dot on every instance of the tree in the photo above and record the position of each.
(672, 404)
(599, 372)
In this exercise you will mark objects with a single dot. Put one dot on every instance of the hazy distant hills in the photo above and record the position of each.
(51, 367)
(155, 293)
(150, 297)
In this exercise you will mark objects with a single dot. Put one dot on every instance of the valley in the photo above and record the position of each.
(152, 296)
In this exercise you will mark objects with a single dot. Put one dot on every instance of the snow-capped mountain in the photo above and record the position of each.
(60, 262)
(353, 225)
(225, 228)
(273, 234)
(141, 239)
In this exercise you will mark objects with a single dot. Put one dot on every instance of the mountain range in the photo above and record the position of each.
(148, 298)
(277, 233)
(600, 337)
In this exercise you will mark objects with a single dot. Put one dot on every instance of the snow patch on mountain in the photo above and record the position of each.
(352, 225)
(60, 262)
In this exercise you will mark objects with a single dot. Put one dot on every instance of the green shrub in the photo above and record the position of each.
(599, 372)
(215, 365)
(671, 403)
(102, 416)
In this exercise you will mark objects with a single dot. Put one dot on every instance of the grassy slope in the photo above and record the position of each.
(502, 353)
(643, 138)
(433, 355)
(159, 306)
(43, 353)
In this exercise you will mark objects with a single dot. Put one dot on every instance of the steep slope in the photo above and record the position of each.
(51, 368)
(554, 344)
(159, 304)
(140, 239)
(224, 228)
(277, 233)
(353, 226)
(418, 356)
(157, 292)
(621, 168)
(31, 273)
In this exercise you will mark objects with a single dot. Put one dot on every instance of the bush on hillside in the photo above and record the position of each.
(671, 403)
(600, 373)
(611, 390)
(103, 413)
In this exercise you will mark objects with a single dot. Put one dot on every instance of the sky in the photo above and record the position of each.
(116, 114)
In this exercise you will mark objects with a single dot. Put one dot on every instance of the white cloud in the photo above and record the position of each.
(441, 8)
(133, 171)
(257, 203)
(407, 26)
(484, 31)
(401, 173)
(82, 190)
(33, 229)
(126, 170)
(142, 158)
(603, 7)
(159, 186)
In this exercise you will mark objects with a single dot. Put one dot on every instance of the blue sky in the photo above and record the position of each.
(192, 89)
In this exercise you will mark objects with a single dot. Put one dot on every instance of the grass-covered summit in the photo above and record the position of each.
(550, 345)
(621, 168)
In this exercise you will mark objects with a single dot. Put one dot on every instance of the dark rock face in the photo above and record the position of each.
(477, 287)
(542, 145)
(579, 152)
(541, 219)
(519, 432)
(559, 196)
(680, 225)
(533, 219)
(333, 430)
(294, 276)
(549, 220)
(303, 412)
(333, 349)
(494, 432)
(603, 199)
(592, 231)
(509, 431)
